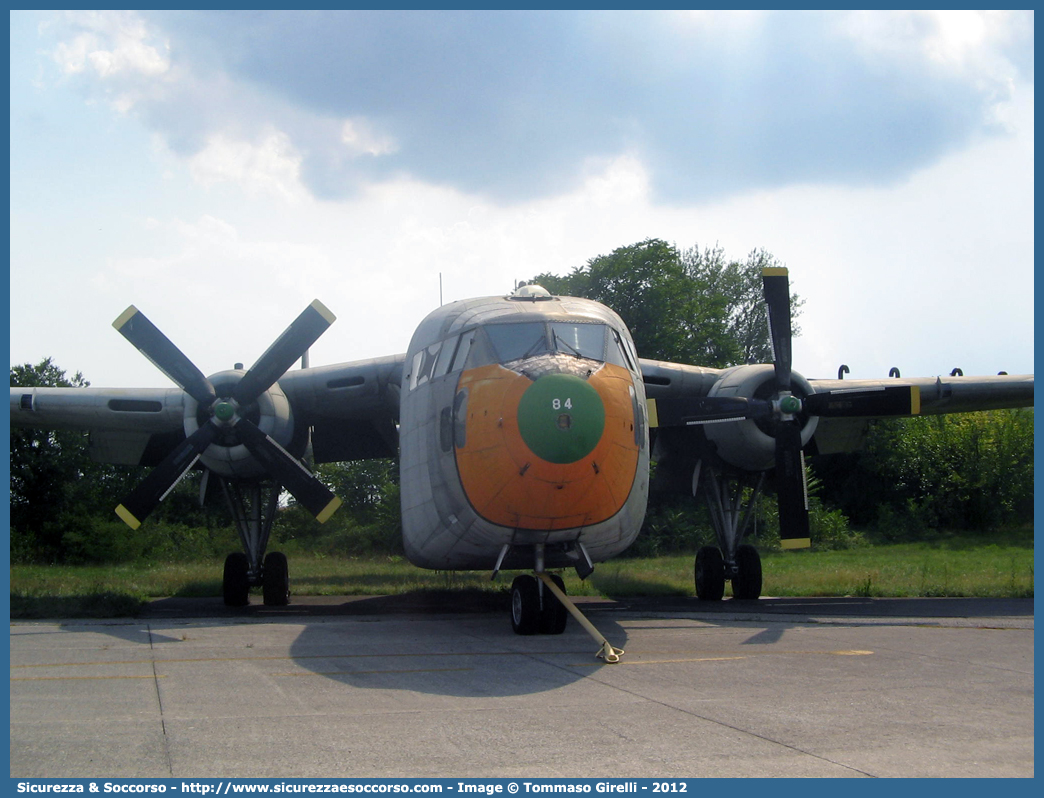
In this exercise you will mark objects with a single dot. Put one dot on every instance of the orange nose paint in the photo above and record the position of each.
(552, 454)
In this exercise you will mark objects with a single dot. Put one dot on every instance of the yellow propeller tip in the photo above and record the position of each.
(328, 510)
(124, 317)
(127, 517)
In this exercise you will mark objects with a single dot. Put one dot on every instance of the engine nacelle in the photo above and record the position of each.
(751, 445)
(227, 456)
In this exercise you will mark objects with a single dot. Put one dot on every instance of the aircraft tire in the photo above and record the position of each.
(747, 583)
(554, 614)
(710, 574)
(235, 582)
(525, 605)
(275, 580)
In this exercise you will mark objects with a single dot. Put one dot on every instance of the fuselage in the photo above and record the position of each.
(522, 423)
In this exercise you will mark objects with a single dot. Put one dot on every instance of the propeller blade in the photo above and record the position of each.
(280, 356)
(147, 339)
(290, 473)
(777, 299)
(686, 412)
(791, 488)
(893, 400)
(162, 479)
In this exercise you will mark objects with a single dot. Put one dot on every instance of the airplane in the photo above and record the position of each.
(525, 425)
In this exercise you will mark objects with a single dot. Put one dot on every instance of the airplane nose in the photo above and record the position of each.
(561, 418)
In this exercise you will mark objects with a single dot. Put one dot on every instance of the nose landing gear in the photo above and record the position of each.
(539, 605)
(535, 609)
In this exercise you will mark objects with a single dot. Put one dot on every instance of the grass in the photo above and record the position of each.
(949, 565)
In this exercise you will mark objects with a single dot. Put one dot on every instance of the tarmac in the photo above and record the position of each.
(437, 685)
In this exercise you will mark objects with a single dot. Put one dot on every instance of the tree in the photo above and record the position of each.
(971, 471)
(368, 521)
(369, 489)
(690, 307)
(46, 466)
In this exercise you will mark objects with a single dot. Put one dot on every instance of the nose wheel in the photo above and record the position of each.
(534, 609)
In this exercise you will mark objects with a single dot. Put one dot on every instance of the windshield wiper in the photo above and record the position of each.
(539, 342)
(557, 338)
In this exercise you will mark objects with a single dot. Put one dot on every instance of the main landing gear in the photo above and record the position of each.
(253, 506)
(731, 560)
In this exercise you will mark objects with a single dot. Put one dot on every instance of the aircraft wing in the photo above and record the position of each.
(937, 395)
(684, 396)
(351, 408)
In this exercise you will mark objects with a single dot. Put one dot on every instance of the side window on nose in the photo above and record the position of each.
(620, 354)
(446, 357)
(423, 365)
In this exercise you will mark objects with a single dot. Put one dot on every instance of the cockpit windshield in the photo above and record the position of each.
(582, 340)
(514, 341)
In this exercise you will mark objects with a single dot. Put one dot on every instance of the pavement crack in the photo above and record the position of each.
(159, 704)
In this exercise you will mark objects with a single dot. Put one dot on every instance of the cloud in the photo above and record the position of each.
(110, 43)
(517, 105)
(270, 165)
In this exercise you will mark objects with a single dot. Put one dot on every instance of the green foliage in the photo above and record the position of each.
(688, 306)
(98, 540)
(969, 471)
(673, 524)
(829, 528)
(369, 489)
(54, 482)
(368, 522)
(679, 524)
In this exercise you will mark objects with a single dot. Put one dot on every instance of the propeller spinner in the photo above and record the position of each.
(225, 414)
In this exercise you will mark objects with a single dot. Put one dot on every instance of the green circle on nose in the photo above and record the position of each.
(561, 418)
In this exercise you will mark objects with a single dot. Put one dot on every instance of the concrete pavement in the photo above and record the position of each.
(336, 687)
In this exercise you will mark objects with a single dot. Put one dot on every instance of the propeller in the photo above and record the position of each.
(227, 413)
(788, 411)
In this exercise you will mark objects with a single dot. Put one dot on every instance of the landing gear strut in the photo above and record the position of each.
(253, 505)
(731, 560)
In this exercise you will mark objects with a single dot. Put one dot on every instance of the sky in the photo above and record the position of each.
(220, 170)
